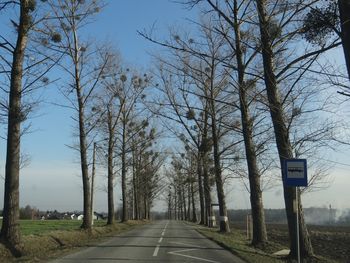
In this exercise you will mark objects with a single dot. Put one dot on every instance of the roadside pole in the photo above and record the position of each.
(92, 183)
(295, 175)
(297, 220)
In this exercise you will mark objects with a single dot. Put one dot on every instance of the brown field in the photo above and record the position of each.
(331, 242)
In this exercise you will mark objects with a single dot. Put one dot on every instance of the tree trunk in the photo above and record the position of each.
(204, 164)
(93, 173)
(123, 157)
(189, 200)
(87, 220)
(175, 203)
(180, 201)
(134, 184)
(110, 173)
(257, 208)
(200, 190)
(344, 11)
(194, 214)
(184, 202)
(282, 138)
(224, 224)
(84, 166)
(10, 232)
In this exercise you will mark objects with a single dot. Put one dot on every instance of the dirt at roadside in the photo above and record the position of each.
(331, 242)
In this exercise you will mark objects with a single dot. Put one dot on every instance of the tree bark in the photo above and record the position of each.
(224, 224)
(207, 188)
(84, 166)
(200, 190)
(184, 202)
(344, 11)
(282, 138)
(123, 157)
(204, 164)
(93, 173)
(10, 232)
(257, 208)
(134, 182)
(110, 172)
(87, 220)
(189, 203)
(175, 203)
(194, 214)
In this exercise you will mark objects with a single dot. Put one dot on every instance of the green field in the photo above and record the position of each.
(38, 227)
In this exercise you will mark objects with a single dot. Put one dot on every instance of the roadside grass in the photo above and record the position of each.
(48, 239)
(237, 243)
(39, 227)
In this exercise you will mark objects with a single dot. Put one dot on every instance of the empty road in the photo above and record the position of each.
(161, 241)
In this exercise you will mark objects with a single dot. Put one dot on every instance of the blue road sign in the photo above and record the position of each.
(295, 172)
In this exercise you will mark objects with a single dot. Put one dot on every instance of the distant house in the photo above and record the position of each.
(99, 216)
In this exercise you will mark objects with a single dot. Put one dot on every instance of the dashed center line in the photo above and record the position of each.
(156, 250)
(155, 253)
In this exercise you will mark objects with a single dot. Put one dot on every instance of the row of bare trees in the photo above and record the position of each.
(242, 94)
(251, 75)
(105, 98)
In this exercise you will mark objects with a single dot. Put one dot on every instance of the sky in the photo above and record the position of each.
(52, 179)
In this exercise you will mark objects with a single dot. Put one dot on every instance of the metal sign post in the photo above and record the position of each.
(297, 215)
(295, 175)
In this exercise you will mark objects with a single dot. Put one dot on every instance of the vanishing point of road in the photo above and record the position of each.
(160, 241)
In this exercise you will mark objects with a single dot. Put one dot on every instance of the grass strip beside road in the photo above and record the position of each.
(238, 244)
(39, 227)
(53, 238)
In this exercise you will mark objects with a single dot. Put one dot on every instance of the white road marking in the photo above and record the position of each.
(156, 250)
(155, 253)
(176, 253)
(184, 250)
(185, 244)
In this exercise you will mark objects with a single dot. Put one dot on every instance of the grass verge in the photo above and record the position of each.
(54, 240)
(238, 244)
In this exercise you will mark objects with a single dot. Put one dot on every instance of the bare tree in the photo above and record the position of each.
(110, 106)
(85, 71)
(10, 233)
(233, 15)
(207, 81)
(270, 34)
(23, 66)
(130, 93)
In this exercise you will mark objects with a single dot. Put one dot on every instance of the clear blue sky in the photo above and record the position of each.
(52, 180)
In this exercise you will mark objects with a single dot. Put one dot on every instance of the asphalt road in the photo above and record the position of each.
(161, 241)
